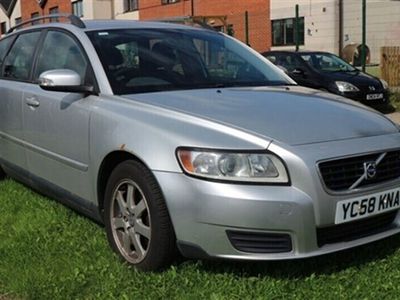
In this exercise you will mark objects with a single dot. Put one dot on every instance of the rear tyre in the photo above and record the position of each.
(136, 218)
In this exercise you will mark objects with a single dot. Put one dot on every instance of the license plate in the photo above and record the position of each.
(362, 207)
(374, 96)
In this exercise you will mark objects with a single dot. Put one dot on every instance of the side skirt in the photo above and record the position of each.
(51, 190)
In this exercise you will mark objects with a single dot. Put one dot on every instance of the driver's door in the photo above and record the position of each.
(57, 124)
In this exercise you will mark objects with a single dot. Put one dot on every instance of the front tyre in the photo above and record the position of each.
(136, 218)
(2, 173)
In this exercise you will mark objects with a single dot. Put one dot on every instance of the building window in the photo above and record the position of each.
(77, 8)
(3, 28)
(169, 1)
(35, 15)
(131, 5)
(284, 33)
(18, 21)
(53, 11)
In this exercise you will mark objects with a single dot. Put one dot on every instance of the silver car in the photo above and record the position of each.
(184, 139)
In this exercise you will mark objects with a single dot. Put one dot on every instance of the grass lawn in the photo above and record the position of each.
(48, 251)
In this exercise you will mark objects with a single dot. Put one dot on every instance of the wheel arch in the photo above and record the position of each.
(108, 164)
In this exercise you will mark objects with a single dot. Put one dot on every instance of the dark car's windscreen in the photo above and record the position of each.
(147, 60)
(327, 62)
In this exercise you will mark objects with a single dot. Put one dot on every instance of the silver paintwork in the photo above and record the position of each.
(60, 77)
(65, 139)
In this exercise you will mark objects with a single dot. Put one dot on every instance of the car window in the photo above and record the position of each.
(142, 60)
(327, 62)
(4, 44)
(289, 62)
(271, 58)
(61, 51)
(18, 62)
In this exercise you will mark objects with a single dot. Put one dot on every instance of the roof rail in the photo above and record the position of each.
(185, 20)
(72, 18)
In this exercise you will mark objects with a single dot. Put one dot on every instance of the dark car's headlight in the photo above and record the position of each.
(344, 86)
(385, 85)
(233, 166)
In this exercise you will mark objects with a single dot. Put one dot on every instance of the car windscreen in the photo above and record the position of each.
(327, 62)
(149, 60)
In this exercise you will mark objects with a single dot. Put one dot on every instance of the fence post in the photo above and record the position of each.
(364, 34)
(297, 28)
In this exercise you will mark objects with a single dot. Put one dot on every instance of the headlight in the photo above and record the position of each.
(384, 84)
(344, 86)
(233, 166)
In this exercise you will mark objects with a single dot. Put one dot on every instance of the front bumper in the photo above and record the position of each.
(204, 212)
(361, 96)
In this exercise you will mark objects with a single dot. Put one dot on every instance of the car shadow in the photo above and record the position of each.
(385, 109)
(302, 268)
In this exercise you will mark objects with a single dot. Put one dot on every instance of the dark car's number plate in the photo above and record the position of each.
(374, 96)
(362, 207)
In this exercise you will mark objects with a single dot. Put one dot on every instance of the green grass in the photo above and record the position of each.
(48, 251)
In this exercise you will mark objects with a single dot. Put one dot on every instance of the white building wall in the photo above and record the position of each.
(383, 23)
(121, 15)
(107, 9)
(322, 23)
(321, 19)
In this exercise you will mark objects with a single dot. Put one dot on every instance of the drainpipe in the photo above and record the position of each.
(341, 20)
(112, 3)
(192, 7)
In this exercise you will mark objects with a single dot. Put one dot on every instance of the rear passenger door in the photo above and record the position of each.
(57, 123)
(14, 78)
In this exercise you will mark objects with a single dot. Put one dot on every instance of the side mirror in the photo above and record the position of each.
(63, 80)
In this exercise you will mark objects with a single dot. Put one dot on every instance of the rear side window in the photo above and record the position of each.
(4, 44)
(60, 51)
(18, 62)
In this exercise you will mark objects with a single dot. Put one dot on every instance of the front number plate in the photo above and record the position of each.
(362, 207)
(374, 96)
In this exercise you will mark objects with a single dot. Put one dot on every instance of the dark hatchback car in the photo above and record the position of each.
(326, 71)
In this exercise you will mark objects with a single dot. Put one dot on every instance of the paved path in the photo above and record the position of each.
(395, 117)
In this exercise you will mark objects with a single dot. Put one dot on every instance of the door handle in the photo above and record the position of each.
(32, 102)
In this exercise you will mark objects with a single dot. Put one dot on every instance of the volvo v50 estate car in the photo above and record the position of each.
(184, 139)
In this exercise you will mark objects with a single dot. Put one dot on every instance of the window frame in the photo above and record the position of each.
(52, 11)
(128, 7)
(168, 2)
(35, 52)
(35, 14)
(1, 28)
(283, 30)
(76, 2)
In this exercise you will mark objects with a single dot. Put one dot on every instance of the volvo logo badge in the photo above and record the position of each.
(369, 170)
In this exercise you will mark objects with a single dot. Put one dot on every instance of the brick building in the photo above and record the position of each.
(35, 8)
(228, 15)
(259, 28)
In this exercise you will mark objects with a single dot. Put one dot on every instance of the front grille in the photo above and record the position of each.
(340, 175)
(356, 229)
(253, 242)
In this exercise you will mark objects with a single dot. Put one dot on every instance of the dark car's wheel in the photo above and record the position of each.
(137, 222)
